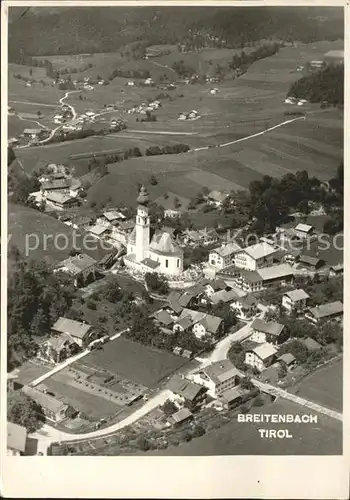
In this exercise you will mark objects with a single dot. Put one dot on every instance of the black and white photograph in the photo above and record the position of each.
(175, 202)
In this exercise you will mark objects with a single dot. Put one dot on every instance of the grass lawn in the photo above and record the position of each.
(91, 405)
(324, 386)
(134, 361)
(234, 438)
(40, 236)
(30, 370)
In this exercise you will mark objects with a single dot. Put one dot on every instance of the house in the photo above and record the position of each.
(173, 303)
(295, 300)
(82, 222)
(248, 281)
(336, 270)
(245, 307)
(99, 231)
(325, 312)
(122, 231)
(53, 409)
(149, 81)
(183, 324)
(55, 185)
(81, 267)
(267, 332)
(108, 260)
(191, 394)
(255, 256)
(174, 205)
(334, 57)
(76, 330)
(224, 255)
(182, 116)
(110, 217)
(287, 359)
(33, 133)
(209, 325)
(61, 201)
(186, 354)
(311, 344)
(163, 318)
(218, 377)
(192, 115)
(16, 439)
(316, 64)
(310, 263)
(281, 273)
(200, 237)
(226, 296)
(303, 231)
(216, 198)
(232, 397)
(58, 348)
(180, 417)
(261, 357)
(130, 83)
(214, 286)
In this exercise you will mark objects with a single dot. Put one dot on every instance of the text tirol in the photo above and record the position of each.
(275, 434)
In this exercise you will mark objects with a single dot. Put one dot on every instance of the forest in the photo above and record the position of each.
(92, 30)
(326, 85)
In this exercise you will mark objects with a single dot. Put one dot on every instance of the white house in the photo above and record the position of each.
(303, 231)
(224, 255)
(78, 331)
(218, 377)
(245, 307)
(209, 325)
(182, 116)
(325, 312)
(269, 332)
(261, 356)
(216, 198)
(16, 439)
(255, 256)
(295, 300)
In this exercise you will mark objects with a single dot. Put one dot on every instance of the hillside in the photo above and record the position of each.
(325, 85)
(81, 30)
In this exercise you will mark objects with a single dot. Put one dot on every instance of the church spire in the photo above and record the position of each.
(143, 197)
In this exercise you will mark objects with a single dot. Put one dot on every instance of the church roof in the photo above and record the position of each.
(143, 197)
(163, 242)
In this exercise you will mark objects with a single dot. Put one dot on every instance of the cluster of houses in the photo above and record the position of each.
(190, 115)
(58, 190)
(294, 100)
(144, 107)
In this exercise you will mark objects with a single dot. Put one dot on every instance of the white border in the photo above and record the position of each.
(167, 477)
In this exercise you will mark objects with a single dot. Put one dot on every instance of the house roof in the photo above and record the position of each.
(185, 322)
(305, 228)
(98, 229)
(298, 294)
(308, 259)
(211, 323)
(185, 299)
(271, 327)
(247, 301)
(127, 225)
(184, 387)
(250, 276)
(47, 402)
(56, 184)
(220, 371)
(226, 250)
(275, 272)
(217, 284)
(264, 351)
(72, 327)
(311, 344)
(287, 358)
(59, 197)
(338, 267)
(163, 317)
(186, 353)
(325, 310)
(181, 415)
(112, 215)
(164, 243)
(16, 437)
(260, 250)
(57, 343)
(78, 263)
(173, 301)
(232, 394)
(32, 130)
(223, 296)
(335, 53)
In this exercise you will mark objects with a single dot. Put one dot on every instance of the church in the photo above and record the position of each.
(151, 250)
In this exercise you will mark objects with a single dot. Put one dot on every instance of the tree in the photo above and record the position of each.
(153, 180)
(198, 431)
(143, 443)
(169, 408)
(282, 371)
(23, 410)
(156, 283)
(247, 384)
(39, 113)
(10, 155)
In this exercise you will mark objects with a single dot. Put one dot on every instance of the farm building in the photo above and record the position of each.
(325, 312)
(334, 57)
(81, 267)
(62, 201)
(34, 133)
(76, 330)
(54, 409)
(261, 357)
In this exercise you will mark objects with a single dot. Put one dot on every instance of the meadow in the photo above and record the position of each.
(135, 362)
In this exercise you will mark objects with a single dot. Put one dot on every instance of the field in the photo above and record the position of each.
(234, 438)
(40, 236)
(135, 362)
(245, 106)
(324, 386)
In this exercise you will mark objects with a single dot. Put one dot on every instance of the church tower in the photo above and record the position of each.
(142, 225)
